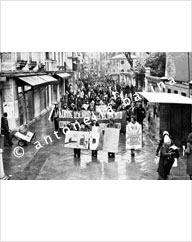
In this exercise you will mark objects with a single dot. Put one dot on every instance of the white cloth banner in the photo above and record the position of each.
(134, 136)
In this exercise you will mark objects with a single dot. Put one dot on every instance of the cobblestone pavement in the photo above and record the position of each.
(54, 162)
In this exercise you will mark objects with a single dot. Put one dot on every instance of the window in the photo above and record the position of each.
(169, 90)
(47, 55)
(62, 62)
(122, 70)
(18, 55)
(183, 94)
(176, 92)
(59, 58)
(30, 56)
(122, 62)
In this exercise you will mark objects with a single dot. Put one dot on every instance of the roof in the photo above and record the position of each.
(173, 98)
(121, 56)
(38, 80)
(63, 75)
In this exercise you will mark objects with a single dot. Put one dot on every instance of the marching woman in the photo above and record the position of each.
(134, 128)
(188, 152)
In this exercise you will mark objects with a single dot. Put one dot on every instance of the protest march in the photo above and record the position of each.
(89, 112)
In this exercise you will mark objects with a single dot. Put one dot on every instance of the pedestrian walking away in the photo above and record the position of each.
(134, 127)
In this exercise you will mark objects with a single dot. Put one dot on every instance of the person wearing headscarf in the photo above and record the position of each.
(188, 153)
(166, 159)
(165, 133)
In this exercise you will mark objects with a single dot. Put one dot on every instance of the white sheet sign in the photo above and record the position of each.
(111, 140)
(134, 136)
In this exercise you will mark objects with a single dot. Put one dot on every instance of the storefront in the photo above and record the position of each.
(33, 96)
(63, 79)
(174, 114)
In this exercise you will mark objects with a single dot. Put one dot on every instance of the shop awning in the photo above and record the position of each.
(63, 75)
(173, 98)
(38, 80)
(48, 78)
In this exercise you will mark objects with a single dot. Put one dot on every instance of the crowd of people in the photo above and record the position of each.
(90, 96)
(87, 97)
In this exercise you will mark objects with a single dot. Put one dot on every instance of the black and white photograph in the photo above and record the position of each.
(96, 141)
(96, 115)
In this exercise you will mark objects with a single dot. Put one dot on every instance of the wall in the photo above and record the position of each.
(179, 65)
(10, 103)
(36, 102)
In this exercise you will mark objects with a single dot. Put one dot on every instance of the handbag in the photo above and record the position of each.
(157, 160)
(175, 162)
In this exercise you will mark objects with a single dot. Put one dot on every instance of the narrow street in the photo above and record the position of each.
(54, 162)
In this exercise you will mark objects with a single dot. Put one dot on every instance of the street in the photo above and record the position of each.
(54, 162)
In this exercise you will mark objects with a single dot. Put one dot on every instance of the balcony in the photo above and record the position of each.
(41, 67)
(32, 65)
(20, 64)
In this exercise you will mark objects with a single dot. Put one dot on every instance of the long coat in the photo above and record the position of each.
(188, 152)
(165, 162)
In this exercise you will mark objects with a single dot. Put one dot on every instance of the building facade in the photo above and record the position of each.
(31, 82)
(179, 66)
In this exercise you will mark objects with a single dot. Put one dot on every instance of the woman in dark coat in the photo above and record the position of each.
(166, 160)
(55, 117)
(188, 152)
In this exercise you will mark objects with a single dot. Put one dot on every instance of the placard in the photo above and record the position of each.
(77, 139)
(96, 138)
(111, 140)
(63, 124)
(133, 136)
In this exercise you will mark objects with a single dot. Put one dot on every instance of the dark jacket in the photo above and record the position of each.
(4, 125)
(55, 114)
(165, 162)
(140, 114)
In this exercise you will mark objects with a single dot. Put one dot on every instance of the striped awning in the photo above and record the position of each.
(38, 80)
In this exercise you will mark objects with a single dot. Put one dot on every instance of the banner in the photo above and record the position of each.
(68, 114)
(134, 136)
(102, 108)
(111, 140)
(77, 139)
(96, 138)
(63, 124)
